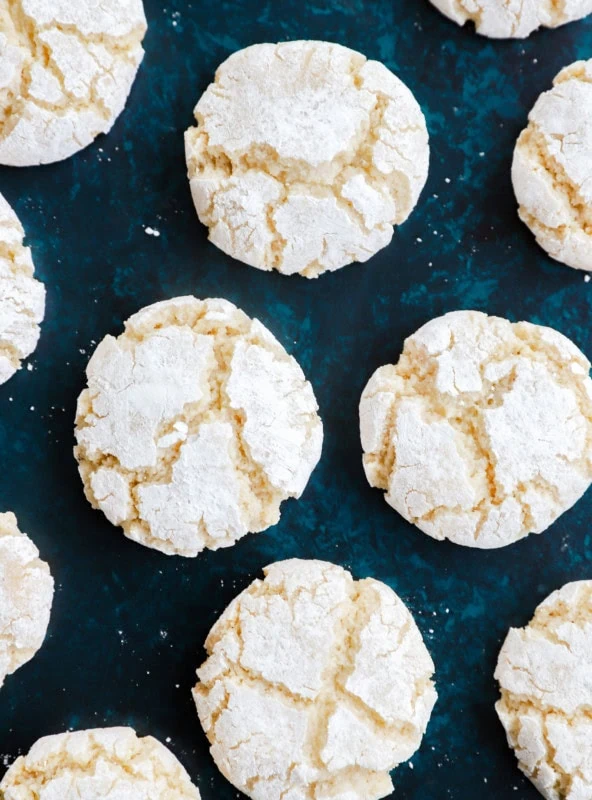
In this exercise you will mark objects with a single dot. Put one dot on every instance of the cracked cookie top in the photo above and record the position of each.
(482, 433)
(545, 676)
(22, 298)
(305, 156)
(513, 19)
(98, 764)
(26, 597)
(552, 168)
(315, 686)
(66, 70)
(195, 426)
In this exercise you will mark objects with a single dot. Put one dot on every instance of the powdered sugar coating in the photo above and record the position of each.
(98, 764)
(195, 426)
(513, 19)
(552, 168)
(545, 676)
(22, 298)
(26, 596)
(482, 433)
(315, 686)
(305, 156)
(66, 70)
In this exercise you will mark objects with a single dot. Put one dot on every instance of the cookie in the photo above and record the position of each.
(305, 156)
(482, 432)
(513, 19)
(98, 764)
(26, 596)
(66, 70)
(545, 676)
(195, 426)
(22, 298)
(552, 167)
(315, 685)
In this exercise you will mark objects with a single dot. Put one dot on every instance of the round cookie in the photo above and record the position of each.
(195, 426)
(26, 596)
(513, 19)
(545, 676)
(22, 298)
(482, 432)
(314, 685)
(552, 168)
(66, 70)
(98, 764)
(305, 156)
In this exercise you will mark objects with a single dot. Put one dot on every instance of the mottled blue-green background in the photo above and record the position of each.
(128, 624)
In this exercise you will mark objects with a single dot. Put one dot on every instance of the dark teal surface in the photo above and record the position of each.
(128, 624)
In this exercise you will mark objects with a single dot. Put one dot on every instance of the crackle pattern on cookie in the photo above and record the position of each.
(315, 686)
(552, 168)
(26, 596)
(98, 764)
(545, 676)
(22, 298)
(304, 157)
(517, 19)
(482, 433)
(195, 426)
(66, 70)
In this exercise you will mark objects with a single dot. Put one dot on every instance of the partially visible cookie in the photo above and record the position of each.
(513, 19)
(482, 432)
(315, 685)
(22, 298)
(26, 596)
(305, 156)
(196, 425)
(66, 70)
(545, 676)
(98, 764)
(552, 168)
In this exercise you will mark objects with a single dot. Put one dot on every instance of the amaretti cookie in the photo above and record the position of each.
(315, 685)
(98, 764)
(26, 597)
(195, 426)
(66, 70)
(305, 156)
(513, 19)
(482, 432)
(22, 298)
(545, 676)
(552, 168)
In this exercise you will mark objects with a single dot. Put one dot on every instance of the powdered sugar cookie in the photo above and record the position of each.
(99, 764)
(315, 685)
(513, 19)
(552, 168)
(22, 298)
(305, 156)
(195, 426)
(26, 596)
(66, 70)
(545, 676)
(482, 432)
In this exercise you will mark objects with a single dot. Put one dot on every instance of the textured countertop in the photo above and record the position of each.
(129, 624)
